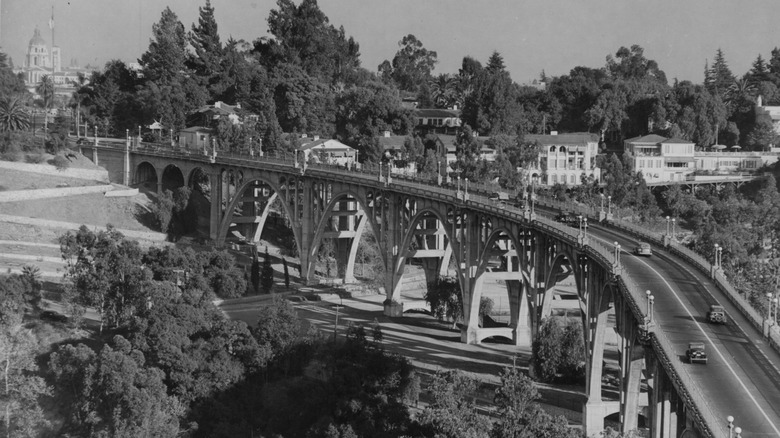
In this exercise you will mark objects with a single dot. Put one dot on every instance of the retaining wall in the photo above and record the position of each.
(48, 169)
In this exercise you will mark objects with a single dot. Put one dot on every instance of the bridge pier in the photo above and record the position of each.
(215, 214)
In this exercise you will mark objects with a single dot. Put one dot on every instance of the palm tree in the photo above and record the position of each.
(13, 115)
(45, 89)
(444, 90)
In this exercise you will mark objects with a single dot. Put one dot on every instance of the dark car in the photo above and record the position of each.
(696, 353)
(53, 316)
(716, 314)
(643, 249)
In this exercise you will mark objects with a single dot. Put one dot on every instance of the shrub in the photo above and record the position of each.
(35, 158)
(60, 162)
(11, 155)
(559, 351)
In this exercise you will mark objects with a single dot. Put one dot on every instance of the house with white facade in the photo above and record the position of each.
(661, 159)
(566, 158)
(445, 121)
(328, 151)
(196, 138)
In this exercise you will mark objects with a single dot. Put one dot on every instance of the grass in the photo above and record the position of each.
(17, 180)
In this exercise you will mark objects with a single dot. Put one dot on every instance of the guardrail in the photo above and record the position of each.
(595, 249)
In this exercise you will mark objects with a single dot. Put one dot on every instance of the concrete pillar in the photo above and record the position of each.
(95, 154)
(215, 181)
(349, 274)
(126, 174)
(519, 314)
(630, 386)
(306, 224)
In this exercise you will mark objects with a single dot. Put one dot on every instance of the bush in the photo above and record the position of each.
(559, 351)
(12, 155)
(35, 158)
(60, 162)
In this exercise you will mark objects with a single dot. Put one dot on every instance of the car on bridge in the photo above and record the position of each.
(567, 218)
(696, 353)
(643, 249)
(716, 314)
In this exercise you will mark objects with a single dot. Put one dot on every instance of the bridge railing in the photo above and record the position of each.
(595, 249)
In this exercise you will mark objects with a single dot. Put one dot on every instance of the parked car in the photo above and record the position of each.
(567, 218)
(643, 249)
(696, 353)
(716, 314)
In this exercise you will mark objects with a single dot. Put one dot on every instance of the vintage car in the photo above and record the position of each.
(643, 249)
(696, 353)
(716, 314)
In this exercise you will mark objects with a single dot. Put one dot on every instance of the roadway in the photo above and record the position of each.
(742, 376)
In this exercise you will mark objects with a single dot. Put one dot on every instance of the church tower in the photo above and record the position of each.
(37, 52)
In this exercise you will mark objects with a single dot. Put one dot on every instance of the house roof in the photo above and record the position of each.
(570, 138)
(652, 138)
(325, 144)
(435, 112)
(394, 142)
(198, 129)
(676, 140)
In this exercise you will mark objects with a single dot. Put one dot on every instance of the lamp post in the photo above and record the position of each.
(336, 325)
(668, 225)
(609, 205)
(730, 419)
(738, 432)
(466, 191)
(673, 231)
(617, 253)
(650, 301)
(769, 307)
(457, 193)
(602, 203)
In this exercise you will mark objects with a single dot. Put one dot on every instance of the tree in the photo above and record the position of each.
(444, 297)
(22, 387)
(45, 89)
(113, 393)
(58, 134)
(519, 415)
(304, 37)
(559, 351)
(267, 275)
(106, 273)
(411, 66)
(452, 412)
(632, 65)
(13, 116)
(165, 59)
(492, 105)
(720, 76)
(206, 61)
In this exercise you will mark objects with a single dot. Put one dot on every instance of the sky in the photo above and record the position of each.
(531, 35)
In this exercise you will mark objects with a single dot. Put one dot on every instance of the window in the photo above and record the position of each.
(562, 149)
(572, 179)
(554, 179)
(552, 148)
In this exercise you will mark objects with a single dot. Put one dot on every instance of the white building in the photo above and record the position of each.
(328, 151)
(40, 62)
(773, 112)
(661, 159)
(568, 158)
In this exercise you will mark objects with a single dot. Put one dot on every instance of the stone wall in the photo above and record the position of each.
(28, 195)
(47, 169)
(111, 160)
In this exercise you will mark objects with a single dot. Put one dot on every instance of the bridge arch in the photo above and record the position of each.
(437, 266)
(327, 200)
(172, 178)
(230, 210)
(145, 175)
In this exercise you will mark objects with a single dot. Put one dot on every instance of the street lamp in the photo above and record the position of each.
(651, 300)
(602, 203)
(336, 325)
(769, 307)
(715, 262)
(466, 191)
(738, 431)
(673, 232)
(617, 253)
(668, 223)
(730, 419)
(609, 205)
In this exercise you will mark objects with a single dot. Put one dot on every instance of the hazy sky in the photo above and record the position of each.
(531, 35)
